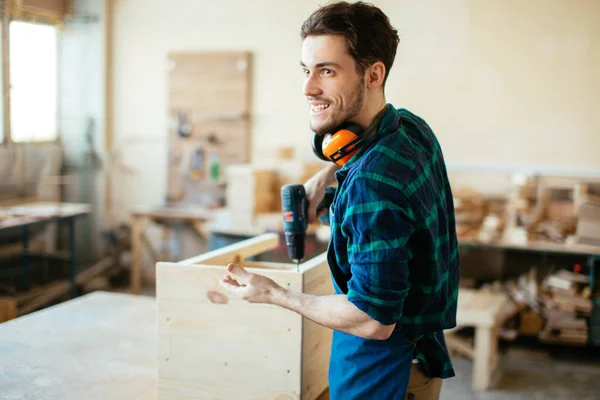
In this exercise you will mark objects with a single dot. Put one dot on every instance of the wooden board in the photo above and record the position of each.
(98, 346)
(215, 345)
(57, 8)
(209, 101)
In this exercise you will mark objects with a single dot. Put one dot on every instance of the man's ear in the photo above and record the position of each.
(375, 75)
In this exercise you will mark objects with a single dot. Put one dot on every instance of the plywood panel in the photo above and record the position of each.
(209, 114)
(220, 344)
(316, 347)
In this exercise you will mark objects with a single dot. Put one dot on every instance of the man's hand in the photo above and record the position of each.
(331, 311)
(315, 190)
(258, 289)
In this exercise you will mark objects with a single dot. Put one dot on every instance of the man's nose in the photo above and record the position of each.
(311, 86)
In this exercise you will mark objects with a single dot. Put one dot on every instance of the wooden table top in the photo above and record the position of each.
(31, 213)
(98, 346)
(187, 213)
(479, 308)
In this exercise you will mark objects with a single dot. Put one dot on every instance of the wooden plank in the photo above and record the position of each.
(538, 245)
(486, 344)
(238, 251)
(186, 214)
(8, 308)
(206, 337)
(43, 7)
(137, 244)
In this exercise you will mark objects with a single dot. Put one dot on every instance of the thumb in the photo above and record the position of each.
(238, 270)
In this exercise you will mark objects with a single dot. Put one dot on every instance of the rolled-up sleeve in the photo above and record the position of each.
(378, 222)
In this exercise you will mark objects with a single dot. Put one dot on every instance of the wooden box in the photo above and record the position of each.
(213, 345)
(250, 189)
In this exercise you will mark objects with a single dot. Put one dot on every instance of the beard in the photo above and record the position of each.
(347, 112)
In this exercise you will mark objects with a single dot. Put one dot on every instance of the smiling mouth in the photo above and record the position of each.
(317, 108)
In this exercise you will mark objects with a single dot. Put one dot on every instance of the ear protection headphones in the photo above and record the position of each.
(339, 146)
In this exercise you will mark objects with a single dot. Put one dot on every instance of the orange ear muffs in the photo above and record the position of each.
(341, 146)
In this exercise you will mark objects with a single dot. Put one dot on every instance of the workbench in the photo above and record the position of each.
(591, 252)
(98, 346)
(485, 312)
(25, 216)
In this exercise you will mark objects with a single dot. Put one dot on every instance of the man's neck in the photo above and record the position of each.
(370, 111)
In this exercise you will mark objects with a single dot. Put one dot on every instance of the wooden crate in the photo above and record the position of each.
(215, 345)
(250, 189)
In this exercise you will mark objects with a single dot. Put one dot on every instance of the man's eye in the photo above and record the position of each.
(327, 71)
(306, 72)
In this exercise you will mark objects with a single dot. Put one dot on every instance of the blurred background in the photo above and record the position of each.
(138, 131)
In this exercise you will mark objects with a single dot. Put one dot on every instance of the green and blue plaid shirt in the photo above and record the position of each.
(393, 236)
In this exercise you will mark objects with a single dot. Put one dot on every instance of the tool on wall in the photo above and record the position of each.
(197, 164)
(184, 128)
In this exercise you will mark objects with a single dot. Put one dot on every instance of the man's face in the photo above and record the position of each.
(334, 89)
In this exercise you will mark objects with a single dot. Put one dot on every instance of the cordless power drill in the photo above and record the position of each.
(295, 217)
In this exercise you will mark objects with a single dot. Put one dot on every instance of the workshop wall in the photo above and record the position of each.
(504, 83)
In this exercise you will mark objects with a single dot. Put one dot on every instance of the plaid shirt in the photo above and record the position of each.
(394, 250)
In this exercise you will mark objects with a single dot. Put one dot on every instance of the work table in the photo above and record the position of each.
(98, 346)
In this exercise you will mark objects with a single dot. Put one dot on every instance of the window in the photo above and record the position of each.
(33, 78)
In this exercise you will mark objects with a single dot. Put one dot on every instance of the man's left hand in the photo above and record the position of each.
(258, 289)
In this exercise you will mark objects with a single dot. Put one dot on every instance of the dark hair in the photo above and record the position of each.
(367, 30)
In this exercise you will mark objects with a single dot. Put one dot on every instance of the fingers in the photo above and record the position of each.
(238, 270)
(230, 283)
(232, 286)
(228, 279)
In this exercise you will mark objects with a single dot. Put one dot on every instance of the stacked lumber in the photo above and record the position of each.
(555, 309)
(469, 209)
(477, 218)
(566, 297)
(538, 208)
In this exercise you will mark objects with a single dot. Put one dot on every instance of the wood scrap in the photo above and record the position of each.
(553, 309)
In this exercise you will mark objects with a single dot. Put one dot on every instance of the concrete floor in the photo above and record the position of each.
(533, 371)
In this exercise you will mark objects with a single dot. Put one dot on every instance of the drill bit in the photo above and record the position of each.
(297, 265)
